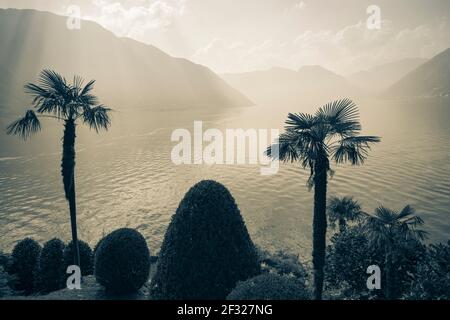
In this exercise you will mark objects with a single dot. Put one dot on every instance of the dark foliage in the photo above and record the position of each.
(349, 255)
(432, 277)
(86, 257)
(24, 258)
(270, 286)
(50, 271)
(5, 290)
(4, 260)
(206, 249)
(283, 264)
(122, 261)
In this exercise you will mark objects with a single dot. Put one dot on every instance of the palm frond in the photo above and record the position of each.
(97, 117)
(300, 121)
(385, 215)
(345, 208)
(25, 126)
(354, 149)
(77, 84)
(342, 117)
(406, 211)
(87, 88)
(52, 81)
(387, 225)
(286, 149)
(51, 94)
(339, 111)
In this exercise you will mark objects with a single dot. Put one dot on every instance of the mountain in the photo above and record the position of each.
(127, 72)
(379, 78)
(431, 79)
(279, 85)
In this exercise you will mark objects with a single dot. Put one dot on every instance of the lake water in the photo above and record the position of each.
(126, 178)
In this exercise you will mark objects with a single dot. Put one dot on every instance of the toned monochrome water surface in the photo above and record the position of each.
(125, 177)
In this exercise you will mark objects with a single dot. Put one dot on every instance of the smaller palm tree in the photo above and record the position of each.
(387, 229)
(70, 103)
(342, 210)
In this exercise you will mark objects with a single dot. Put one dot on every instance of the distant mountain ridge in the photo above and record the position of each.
(127, 72)
(379, 78)
(280, 85)
(431, 79)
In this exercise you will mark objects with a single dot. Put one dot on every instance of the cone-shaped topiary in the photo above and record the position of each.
(122, 261)
(24, 258)
(270, 286)
(50, 271)
(206, 249)
(86, 258)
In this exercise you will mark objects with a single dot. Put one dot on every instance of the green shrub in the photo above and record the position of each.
(350, 253)
(5, 290)
(24, 258)
(432, 278)
(122, 261)
(86, 258)
(6, 262)
(283, 264)
(206, 249)
(270, 286)
(50, 270)
(348, 256)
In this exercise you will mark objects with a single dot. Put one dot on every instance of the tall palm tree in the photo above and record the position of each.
(312, 140)
(341, 210)
(53, 97)
(387, 229)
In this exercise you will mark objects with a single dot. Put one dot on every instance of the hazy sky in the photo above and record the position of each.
(245, 35)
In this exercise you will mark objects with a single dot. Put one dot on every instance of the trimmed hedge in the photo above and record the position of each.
(24, 257)
(206, 249)
(122, 261)
(86, 258)
(50, 271)
(270, 286)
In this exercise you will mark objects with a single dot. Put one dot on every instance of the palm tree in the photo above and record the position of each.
(53, 97)
(312, 140)
(387, 229)
(341, 210)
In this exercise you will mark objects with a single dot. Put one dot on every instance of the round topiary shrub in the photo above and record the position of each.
(50, 269)
(24, 258)
(86, 258)
(206, 249)
(270, 286)
(122, 261)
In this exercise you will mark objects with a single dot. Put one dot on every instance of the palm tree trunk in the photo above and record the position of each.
(319, 225)
(68, 174)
